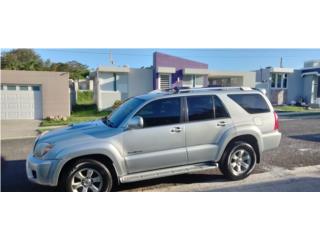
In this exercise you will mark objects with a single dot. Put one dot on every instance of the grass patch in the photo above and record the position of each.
(87, 110)
(294, 109)
(85, 97)
(80, 113)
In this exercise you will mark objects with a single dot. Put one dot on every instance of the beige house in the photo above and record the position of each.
(34, 94)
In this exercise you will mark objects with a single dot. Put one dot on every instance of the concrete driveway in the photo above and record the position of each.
(11, 129)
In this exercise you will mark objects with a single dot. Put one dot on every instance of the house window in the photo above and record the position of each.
(273, 81)
(284, 81)
(114, 82)
(279, 80)
(193, 80)
(164, 81)
(23, 88)
(11, 87)
(35, 88)
(198, 81)
(188, 81)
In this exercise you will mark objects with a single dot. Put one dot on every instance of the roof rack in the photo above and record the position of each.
(214, 89)
(176, 90)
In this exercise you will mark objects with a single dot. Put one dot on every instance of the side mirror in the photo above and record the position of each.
(135, 123)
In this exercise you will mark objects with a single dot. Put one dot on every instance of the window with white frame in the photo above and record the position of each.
(198, 81)
(193, 80)
(164, 81)
(279, 80)
(188, 81)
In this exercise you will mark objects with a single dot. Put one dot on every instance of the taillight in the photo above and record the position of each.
(276, 121)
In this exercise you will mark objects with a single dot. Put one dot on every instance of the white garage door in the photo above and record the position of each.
(21, 102)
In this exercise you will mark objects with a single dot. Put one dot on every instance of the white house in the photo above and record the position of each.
(119, 83)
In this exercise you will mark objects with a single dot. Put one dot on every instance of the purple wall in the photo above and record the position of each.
(164, 60)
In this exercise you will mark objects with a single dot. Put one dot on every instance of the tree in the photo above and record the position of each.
(77, 70)
(28, 59)
(21, 59)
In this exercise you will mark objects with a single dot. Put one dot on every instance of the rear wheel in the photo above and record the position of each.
(87, 175)
(238, 161)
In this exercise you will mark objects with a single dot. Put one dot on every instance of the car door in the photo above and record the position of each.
(161, 142)
(207, 120)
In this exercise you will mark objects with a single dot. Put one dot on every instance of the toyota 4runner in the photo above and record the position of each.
(159, 134)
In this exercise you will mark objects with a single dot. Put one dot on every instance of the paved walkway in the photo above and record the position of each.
(11, 129)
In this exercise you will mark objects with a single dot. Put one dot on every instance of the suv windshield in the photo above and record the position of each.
(118, 115)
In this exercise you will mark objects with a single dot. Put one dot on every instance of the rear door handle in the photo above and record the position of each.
(221, 124)
(176, 130)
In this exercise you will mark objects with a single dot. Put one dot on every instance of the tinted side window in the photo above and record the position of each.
(220, 111)
(161, 112)
(252, 103)
(200, 108)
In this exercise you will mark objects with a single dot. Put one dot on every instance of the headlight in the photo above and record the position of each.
(42, 149)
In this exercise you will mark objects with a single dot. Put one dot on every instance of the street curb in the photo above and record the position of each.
(297, 114)
(17, 138)
(52, 127)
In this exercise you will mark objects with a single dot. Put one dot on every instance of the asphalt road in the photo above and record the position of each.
(300, 147)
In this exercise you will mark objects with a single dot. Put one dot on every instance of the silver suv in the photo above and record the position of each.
(159, 134)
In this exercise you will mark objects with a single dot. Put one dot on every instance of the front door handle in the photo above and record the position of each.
(176, 130)
(221, 124)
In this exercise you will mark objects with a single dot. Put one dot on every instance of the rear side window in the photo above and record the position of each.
(200, 108)
(161, 112)
(252, 103)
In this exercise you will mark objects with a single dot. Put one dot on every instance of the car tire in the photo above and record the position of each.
(87, 175)
(238, 160)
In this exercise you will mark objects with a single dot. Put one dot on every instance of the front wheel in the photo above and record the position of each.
(88, 175)
(238, 161)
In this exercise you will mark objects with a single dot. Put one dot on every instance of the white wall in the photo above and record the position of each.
(106, 81)
(122, 84)
(106, 96)
(140, 81)
(107, 99)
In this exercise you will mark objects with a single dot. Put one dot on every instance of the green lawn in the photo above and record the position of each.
(293, 109)
(85, 97)
(84, 110)
(80, 113)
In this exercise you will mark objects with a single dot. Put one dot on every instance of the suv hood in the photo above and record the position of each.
(79, 133)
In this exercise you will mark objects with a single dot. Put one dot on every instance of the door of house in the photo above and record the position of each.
(315, 91)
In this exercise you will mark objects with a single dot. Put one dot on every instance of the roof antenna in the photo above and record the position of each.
(111, 61)
(281, 65)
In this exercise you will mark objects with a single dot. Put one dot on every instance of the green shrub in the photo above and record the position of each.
(116, 104)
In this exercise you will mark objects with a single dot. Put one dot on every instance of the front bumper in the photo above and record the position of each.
(41, 171)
